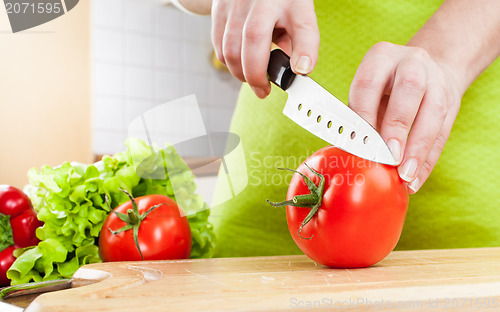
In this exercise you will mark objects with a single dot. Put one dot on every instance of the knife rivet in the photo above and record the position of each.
(365, 140)
(309, 113)
(329, 124)
(318, 119)
(353, 135)
(300, 106)
(341, 129)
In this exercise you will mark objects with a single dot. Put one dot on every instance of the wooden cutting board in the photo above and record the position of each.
(436, 280)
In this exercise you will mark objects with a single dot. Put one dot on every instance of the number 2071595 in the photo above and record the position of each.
(33, 8)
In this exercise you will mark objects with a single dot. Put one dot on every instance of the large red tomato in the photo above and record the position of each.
(357, 219)
(163, 233)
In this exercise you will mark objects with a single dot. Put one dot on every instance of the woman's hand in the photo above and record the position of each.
(412, 100)
(242, 32)
(412, 93)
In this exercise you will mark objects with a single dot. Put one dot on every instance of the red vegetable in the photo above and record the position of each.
(15, 204)
(150, 227)
(344, 211)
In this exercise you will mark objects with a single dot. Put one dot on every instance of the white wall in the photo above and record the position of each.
(145, 54)
(44, 94)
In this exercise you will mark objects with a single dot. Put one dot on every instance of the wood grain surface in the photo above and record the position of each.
(430, 280)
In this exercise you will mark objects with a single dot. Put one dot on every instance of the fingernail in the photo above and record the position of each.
(303, 64)
(395, 148)
(414, 185)
(408, 169)
(259, 92)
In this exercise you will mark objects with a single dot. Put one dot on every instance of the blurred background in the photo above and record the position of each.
(146, 53)
(69, 88)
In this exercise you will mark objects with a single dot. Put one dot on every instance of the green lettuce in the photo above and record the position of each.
(6, 238)
(73, 200)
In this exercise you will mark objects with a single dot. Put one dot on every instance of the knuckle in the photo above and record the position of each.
(366, 81)
(361, 111)
(231, 52)
(425, 143)
(399, 120)
(253, 33)
(381, 47)
(440, 142)
(440, 109)
(412, 80)
(420, 53)
(307, 25)
(426, 168)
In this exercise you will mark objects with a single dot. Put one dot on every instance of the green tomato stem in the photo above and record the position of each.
(312, 200)
(133, 220)
(133, 217)
(305, 200)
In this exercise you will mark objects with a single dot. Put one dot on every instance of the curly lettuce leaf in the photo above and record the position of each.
(73, 200)
(202, 235)
(47, 261)
(83, 255)
(6, 238)
(72, 209)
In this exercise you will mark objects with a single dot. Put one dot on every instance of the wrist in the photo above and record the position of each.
(456, 72)
(461, 37)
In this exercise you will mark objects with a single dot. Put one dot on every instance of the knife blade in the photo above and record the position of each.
(315, 109)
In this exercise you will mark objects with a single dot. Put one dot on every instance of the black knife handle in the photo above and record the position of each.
(279, 70)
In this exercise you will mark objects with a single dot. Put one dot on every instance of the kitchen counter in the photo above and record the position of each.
(436, 280)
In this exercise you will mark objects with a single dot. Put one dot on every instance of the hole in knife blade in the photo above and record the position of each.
(318, 119)
(341, 129)
(353, 135)
(365, 140)
(300, 106)
(329, 124)
(309, 113)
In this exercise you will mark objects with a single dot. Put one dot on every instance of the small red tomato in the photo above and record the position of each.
(15, 204)
(13, 201)
(162, 229)
(6, 260)
(352, 212)
(24, 227)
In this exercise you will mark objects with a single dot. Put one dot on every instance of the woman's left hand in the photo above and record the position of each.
(412, 100)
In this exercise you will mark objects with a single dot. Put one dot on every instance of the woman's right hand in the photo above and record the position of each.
(242, 32)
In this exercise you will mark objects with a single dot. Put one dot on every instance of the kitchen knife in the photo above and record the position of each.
(82, 277)
(319, 112)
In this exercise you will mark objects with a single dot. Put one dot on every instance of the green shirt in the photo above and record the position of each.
(456, 207)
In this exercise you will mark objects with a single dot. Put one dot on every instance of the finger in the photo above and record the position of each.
(219, 19)
(435, 153)
(381, 110)
(282, 39)
(370, 82)
(410, 84)
(424, 133)
(304, 33)
(231, 41)
(256, 43)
